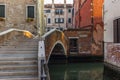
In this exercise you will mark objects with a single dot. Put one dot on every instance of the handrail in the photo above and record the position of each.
(50, 32)
(16, 30)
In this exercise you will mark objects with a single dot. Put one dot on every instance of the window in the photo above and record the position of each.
(56, 20)
(117, 31)
(69, 20)
(30, 12)
(2, 11)
(73, 43)
(59, 11)
(49, 20)
(59, 20)
(69, 10)
(48, 11)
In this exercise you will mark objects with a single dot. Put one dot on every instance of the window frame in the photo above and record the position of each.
(5, 10)
(49, 20)
(27, 11)
(59, 20)
(116, 30)
(73, 46)
(69, 10)
(69, 20)
(48, 11)
(59, 11)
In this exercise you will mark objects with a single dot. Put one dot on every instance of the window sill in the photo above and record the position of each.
(29, 20)
(2, 19)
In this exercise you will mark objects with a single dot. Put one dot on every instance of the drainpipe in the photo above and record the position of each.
(40, 17)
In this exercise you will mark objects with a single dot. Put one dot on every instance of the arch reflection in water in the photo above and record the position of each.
(81, 71)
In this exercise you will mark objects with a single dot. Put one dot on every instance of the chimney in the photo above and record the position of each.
(52, 3)
(65, 3)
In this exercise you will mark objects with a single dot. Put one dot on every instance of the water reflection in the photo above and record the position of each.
(110, 74)
(82, 71)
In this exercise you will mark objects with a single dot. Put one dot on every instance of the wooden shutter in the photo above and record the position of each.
(2, 10)
(115, 30)
(118, 30)
(30, 11)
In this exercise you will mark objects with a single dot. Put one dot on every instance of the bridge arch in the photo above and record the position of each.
(57, 43)
(53, 38)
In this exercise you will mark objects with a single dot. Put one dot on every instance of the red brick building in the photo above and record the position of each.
(89, 15)
(76, 16)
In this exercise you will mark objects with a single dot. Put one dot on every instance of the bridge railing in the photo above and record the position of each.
(8, 34)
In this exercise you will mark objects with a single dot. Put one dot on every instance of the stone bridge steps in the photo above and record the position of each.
(18, 60)
(21, 79)
(18, 48)
(17, 68)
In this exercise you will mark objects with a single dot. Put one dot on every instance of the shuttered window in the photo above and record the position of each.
(30, 12)
(2, 10)
(69, 20)
(59, 20)
(49, 20)
(117, 31)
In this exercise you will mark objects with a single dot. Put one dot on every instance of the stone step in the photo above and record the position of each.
(19, 49)
(18, 52)
(14, 46)
(19, 79)
(18, 55)
(18, 62)
(18, 73)
(18, 67)
(18, 44)
(17, 58)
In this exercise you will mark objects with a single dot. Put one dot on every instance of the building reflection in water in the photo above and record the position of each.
(82, 71)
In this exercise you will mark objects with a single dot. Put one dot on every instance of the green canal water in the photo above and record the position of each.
(78, 71)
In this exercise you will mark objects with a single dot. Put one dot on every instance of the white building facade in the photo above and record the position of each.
(58, 16)
(111, 20)
(111, 12)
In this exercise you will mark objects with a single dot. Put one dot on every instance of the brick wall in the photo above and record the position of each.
(86, 14)
(84, 40)
(91, 15)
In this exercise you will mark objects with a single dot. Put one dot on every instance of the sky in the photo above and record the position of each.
(58, 1)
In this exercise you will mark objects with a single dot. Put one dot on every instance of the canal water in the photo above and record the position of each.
(79, 71)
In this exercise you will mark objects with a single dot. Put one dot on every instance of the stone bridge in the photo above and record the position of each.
(52, 39)
(23, 48)
(55, 39)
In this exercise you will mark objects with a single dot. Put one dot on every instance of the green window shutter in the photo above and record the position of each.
(30, 12)
(2, 10)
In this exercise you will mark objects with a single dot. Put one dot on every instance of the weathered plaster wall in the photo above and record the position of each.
(16, 15)
(112, 50)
